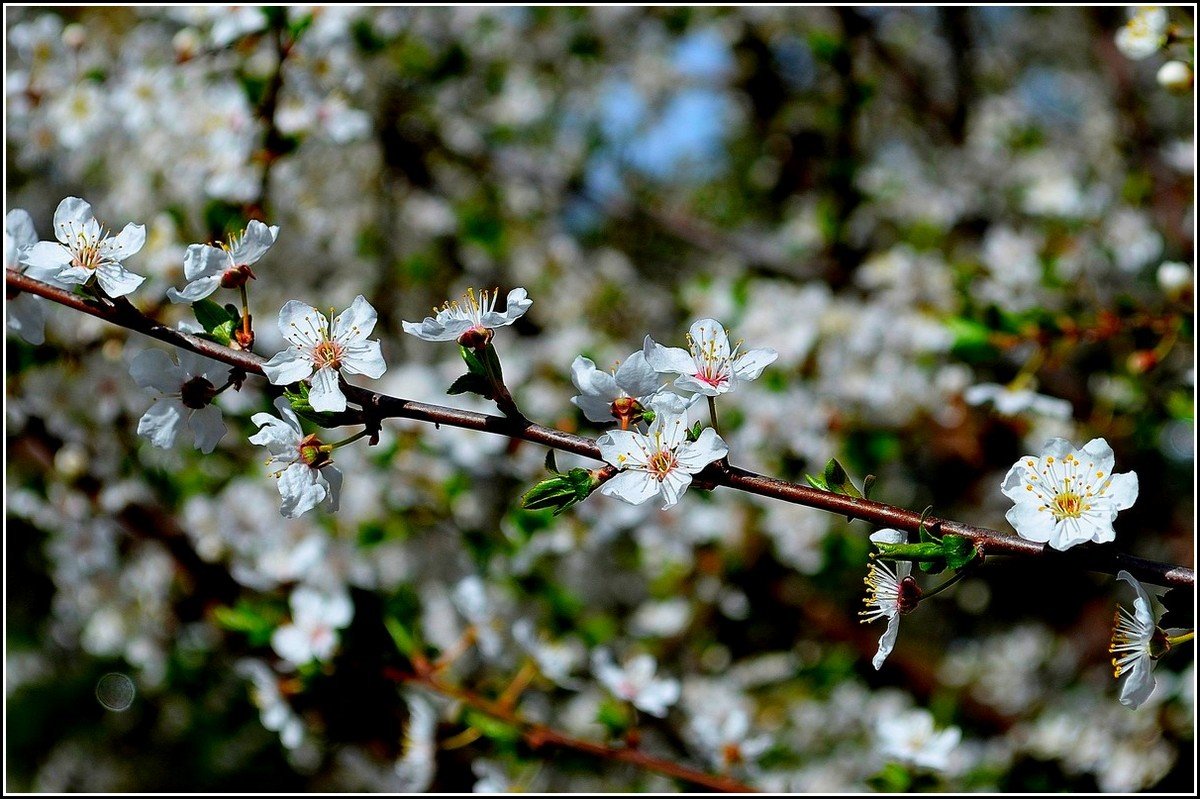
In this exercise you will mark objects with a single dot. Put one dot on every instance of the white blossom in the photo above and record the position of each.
(312, 633)
(276, 714)
(307, 479)
(323, 351)
(660, 461)
(207, 268)
(1132, 639)
(1144, 33)
(26, 312)
(721, 730)
(1010, 400)
(910, 737)
(84, 250)
(183, 392)
(1175, 76)
(605, 396)
(1067, 496)
(709, 366)
(635, 682)
(889, 593)
(477, 313)
(418, 763)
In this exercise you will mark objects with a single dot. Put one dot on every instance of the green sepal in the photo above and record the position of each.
(648, 416)
(560, 491)
(925, 552)
(474, 365)
(299, 401)
(492, 363)
(694, 432)
(838, 481)
(959, 550)
(217, 322)
(471, 383)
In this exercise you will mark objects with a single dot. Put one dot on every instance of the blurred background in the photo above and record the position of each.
(965, 231)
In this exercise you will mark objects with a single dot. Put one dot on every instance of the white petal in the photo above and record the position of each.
(671, 360)
(1013, 486)
(155, 369)
(1030, 523)
(1122, 490)
(1142, 609)
(593, 382)
(710, 332)
(27, 318)
(596, 409)
(749, 365)
(364, 358)
(255, 243)
(889, 536)
(161, 423)
(72, 214)
(516, 305)
(704, 450)
(18, 224)
(202, 260)
(1139, 683)
(886, 642)
(208, 427)
(634, 487)
(1059, 448)
(332, 478)
(698, 386)
(622, 448)
(657, 697)
(292, 644)
(46, 255)
(355, 323)
(301, 324)
(431, 329)
(74, 275)
(325, 394)
(637, 378)
(288, 366)
(1100, 454)
(196, 290)
(128, 242)
(300, 490)
(672, 487)
(116, 280)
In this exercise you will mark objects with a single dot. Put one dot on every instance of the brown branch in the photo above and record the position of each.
(539, 735)
(378, 406)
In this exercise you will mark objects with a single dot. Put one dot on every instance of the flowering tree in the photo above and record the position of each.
(881, 319)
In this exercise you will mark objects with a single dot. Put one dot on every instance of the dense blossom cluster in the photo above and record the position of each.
(937, 349)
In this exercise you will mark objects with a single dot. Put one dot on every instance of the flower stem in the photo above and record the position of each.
(350, 440)
(1182, 638)
(939, 589)
(712, 413)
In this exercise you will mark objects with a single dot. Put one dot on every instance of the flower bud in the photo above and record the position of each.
(1175, 77)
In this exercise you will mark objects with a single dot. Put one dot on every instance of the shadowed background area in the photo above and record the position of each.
(965, 232)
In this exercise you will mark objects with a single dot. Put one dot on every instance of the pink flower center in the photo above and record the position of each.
(327, 353)
(661, 463)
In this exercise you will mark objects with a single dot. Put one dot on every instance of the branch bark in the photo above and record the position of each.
(376, 406)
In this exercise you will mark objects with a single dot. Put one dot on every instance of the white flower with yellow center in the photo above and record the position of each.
(709, 366)
(660, 461)
(1144, 33)
(1136, 643)
(470, 322)
(1067, 496)
(322, 351)
(85, 251)
(889, 593)
(227, 265)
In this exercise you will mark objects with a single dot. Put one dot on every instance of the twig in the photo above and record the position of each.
(378, 406)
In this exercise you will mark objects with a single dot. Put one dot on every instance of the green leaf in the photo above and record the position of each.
(492, 362)
(551, 463)
(959, 550)
(471, 383)
(817, 482)
(695, 431)
(405, 641)
(868, 484)
(474, 365)
(499, 731)
(216, 321)
(299, 401)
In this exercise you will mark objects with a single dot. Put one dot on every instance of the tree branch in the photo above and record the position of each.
(378, 406)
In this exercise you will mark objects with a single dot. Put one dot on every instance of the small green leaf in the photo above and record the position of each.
(695, 431)
(492, 361)
(817, 482)
(551, 463)
(216, 321)
(959, 550)
(471, 383)
(868, 484)
(648, 415)
(299, 401)
(474, 365)
(499, 731)
(406, 642)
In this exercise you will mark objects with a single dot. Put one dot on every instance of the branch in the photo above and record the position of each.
(378, 406)
(539, 735)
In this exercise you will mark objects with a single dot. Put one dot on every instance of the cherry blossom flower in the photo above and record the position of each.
(184, 391)
(307, 478)
(418, 763)
(910, 737)
(635, 682)
(321, 351)
(208, 268)
(1066, 496)
(1012, 401)
(85, 251)
(471, 322)
(1144, 33)
(1136, 643)
(889, 593)
(312, 633)
(276, 714)
(26, 312)
(709, 366)
(660, 461)
(621, 394)
(721, 730)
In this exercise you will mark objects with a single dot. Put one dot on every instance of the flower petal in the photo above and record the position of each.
(27, 318)
(325, 394)
(300, 490)
(254, 244)
(887, 642)
(637, 378)
(18, 226)
(302, 325)
(622, 448)
(161, 423)
(355, 323)
(749, 365)
(208, 427)
(1030, 523)
(673, 484)
(593, 382)
(116, 280)
(634, 487)
(431, 329)
(710, 338)
(201, 260)
(1122, 490)
(46, 255)
(128, 242)
(289, 366)
(71, 215)
(364, 358)
(671, 360)
(1139, 683)
(709, 447)
(515, 306)
(198, 289)
(331, 476)
(155, 369)
(596, 409)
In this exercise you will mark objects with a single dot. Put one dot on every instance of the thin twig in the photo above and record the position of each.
(378, 406)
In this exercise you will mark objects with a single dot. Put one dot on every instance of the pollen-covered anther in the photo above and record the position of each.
(661, 463)
(327, 353)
